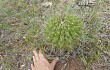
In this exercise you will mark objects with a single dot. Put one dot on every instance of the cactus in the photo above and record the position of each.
(63, 31)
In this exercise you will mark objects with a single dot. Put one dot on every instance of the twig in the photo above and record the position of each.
(64, 66)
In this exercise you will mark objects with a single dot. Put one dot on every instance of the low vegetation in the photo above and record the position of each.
(61, 29)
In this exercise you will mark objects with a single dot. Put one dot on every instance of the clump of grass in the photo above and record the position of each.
(92, 45)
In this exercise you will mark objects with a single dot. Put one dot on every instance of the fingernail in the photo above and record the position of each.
(34, 51)
(57, 58)
(40, 51)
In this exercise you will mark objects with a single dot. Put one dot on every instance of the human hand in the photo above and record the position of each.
(41, 63)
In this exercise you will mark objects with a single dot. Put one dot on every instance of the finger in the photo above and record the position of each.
(36, 55)
(32, 66)
(40, 54)
(34, 60)
(54, 62)
(42, 58)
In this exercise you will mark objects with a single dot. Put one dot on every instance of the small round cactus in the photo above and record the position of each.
(63, 31)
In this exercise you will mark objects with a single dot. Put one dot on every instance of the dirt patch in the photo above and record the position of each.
(70, 64)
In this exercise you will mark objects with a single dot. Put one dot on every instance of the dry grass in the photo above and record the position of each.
(21, 23)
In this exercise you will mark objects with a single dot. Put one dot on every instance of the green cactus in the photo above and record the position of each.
(63, 31)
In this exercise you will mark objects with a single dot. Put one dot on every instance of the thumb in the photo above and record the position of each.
(54, 62)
